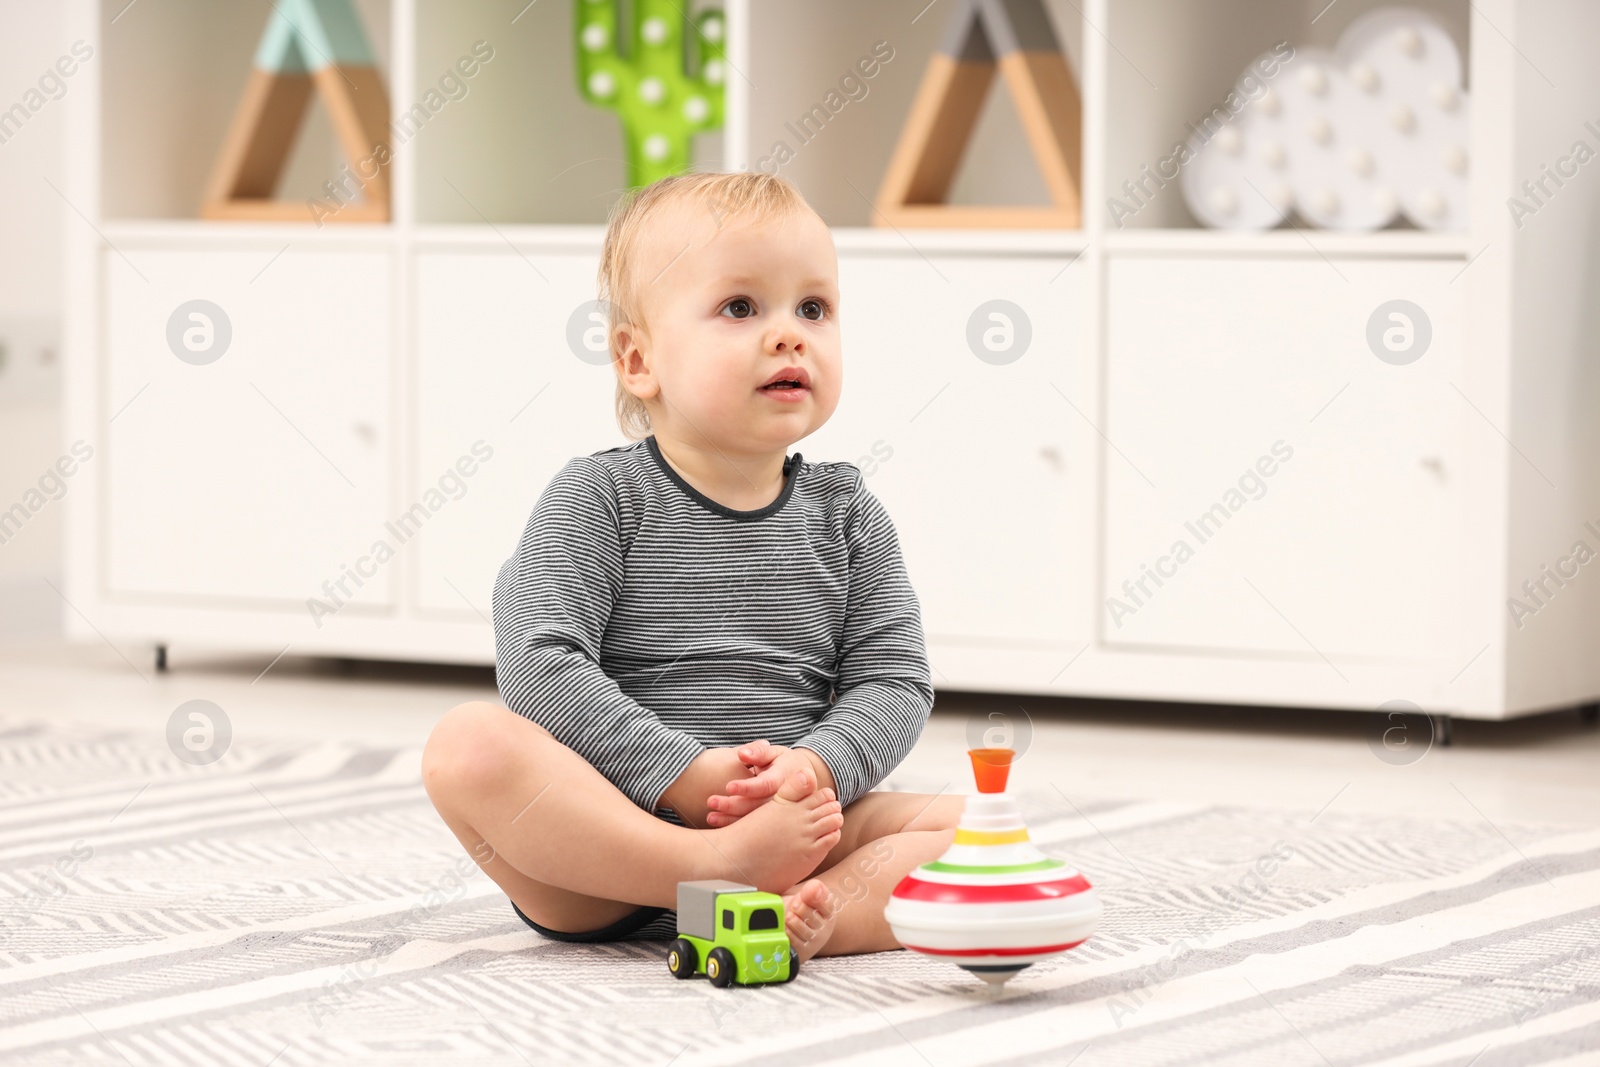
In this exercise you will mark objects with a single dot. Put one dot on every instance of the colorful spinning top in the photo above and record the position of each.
(993, 903)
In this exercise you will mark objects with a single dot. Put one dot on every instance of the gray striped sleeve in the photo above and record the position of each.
(552, 600)
(884, 688)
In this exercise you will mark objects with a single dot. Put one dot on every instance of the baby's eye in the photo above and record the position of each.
(813, 308)
(741, 307)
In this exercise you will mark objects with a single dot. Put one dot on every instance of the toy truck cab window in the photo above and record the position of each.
(727, 918)
(764, 919)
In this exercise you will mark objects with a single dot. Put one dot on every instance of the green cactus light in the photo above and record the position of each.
(661, 105)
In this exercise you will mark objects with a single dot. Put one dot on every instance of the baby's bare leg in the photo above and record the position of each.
(882, 812)
(570, 848)
(886, 835)
(862, 883)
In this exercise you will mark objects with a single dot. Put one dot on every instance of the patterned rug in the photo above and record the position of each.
(297, 903)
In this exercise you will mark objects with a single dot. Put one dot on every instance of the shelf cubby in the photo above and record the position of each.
(1170, 62)
(521, 146)
(172, 73)
(798, 52)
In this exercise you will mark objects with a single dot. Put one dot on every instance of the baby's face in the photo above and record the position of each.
(727, 305)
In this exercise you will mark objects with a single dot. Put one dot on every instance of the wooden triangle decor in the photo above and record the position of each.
(308, 44)
(946, 109)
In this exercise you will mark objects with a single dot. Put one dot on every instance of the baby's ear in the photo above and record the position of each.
(626, 357)
(621, 339)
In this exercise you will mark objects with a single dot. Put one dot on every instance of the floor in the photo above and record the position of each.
(1451, 897)
(1540, 768)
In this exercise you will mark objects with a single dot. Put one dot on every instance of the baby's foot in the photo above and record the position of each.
(810, 914)
(779, 843)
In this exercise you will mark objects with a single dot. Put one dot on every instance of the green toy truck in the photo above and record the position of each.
(731, 933)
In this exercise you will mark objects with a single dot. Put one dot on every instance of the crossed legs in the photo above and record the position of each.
(575, 854)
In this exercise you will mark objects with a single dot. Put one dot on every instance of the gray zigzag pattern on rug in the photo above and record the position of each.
(277, 904)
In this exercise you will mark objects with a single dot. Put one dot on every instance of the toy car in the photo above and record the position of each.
(731, 933)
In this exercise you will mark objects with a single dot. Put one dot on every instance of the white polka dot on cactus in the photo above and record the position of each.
(993, 904)
(1349, 139)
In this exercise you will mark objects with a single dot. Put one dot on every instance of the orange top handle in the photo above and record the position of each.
(991, 767)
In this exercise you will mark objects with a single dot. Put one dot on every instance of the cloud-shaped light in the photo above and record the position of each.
(1350, 139)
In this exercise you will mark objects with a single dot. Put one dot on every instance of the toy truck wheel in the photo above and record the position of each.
(682, 959)
(721, 968)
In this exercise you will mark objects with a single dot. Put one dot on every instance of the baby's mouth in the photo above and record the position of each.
(787, 391)
(788, 382)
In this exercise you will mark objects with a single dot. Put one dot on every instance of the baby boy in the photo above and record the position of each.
(708, 650)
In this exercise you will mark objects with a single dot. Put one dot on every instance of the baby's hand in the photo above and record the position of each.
(760, 754)
(744, 795)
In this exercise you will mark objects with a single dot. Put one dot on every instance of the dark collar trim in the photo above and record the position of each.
(791, 470)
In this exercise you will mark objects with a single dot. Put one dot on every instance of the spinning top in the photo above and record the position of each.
(993, 903)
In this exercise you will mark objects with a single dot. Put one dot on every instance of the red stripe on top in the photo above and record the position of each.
(1037, 949)
(913, 888)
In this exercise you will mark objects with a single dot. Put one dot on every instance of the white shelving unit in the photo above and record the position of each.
(368, 360)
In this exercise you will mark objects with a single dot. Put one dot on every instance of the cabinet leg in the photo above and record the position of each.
(1442, 735)
(1591, 714)
(161, 658)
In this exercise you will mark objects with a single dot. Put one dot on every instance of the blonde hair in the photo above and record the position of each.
(758, 195)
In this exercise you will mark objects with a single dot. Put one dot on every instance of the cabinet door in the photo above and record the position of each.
(494, 365)
(248, 434)
(980, 460)
(1276, 486)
